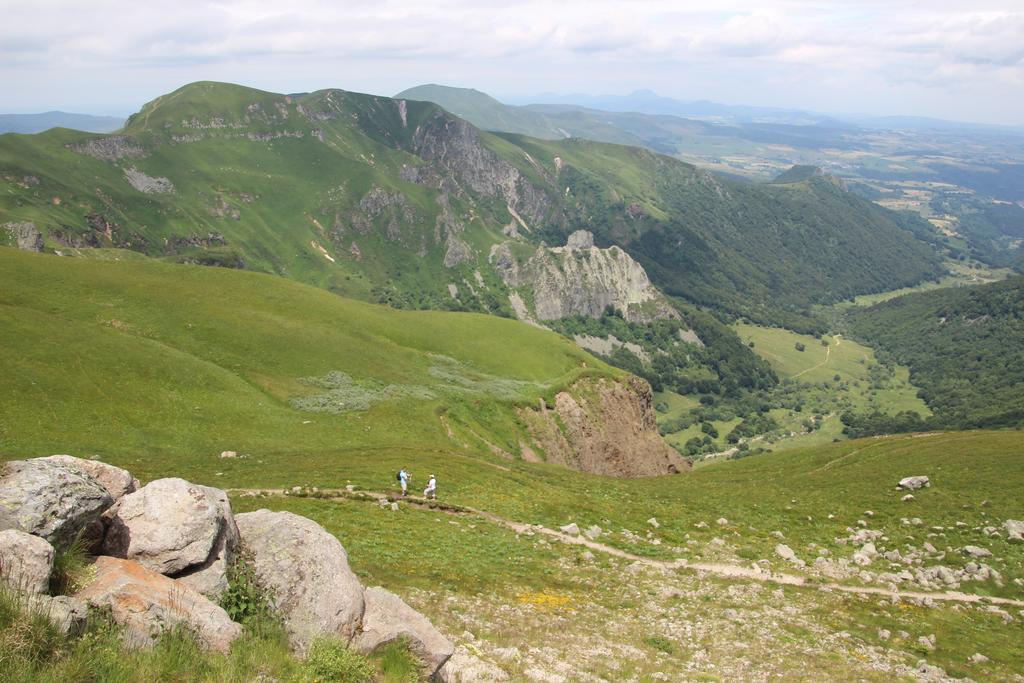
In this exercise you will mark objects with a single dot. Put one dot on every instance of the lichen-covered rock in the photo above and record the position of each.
(178, 529)
(305, 569)
(115, 480)
(49, 500)
(387, 618)
(147, 603)
(26, 561)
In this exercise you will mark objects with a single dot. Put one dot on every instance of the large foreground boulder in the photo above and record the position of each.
(388, 618)
(178, 529)
(306, 571)
(115, 480)
(49, 500)
(26, 561)
(147, 604)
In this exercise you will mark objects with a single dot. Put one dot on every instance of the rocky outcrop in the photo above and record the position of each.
(26, 561)
(582, 279)
(457, 161)
(25, 235)
(115, 480)
(178, 529)
(305, 569)
(603, 426)
(147, 604)
(49, 500)
(147, 184)
(465, 667)
(388, 618)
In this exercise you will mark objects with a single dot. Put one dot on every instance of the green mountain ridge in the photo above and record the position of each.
(394, 200)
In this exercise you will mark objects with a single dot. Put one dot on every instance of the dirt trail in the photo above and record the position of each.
(728, 571)
(828, 354)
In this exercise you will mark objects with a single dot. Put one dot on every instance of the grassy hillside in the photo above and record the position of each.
(963, 347)
(398, 202)
(161, 367)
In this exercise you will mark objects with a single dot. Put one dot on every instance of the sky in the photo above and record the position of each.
(951, 60)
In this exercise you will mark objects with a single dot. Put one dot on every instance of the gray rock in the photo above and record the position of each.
(115, 480)
(49, 500)
(975, 551)
(178, 529)
(653, 521)
(26, 561)
(25, 236)
(1014, 530)
(914, 483)
(571, 529)
(907, 498)
(581, 239)
(387, 618)
(722, 521)
(593, 532)
(465, 667)
(978, 658)
(70, 615)
(785, 552)
(306, 571)
(146, 604)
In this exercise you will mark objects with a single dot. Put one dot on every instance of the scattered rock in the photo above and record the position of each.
(306, 571)
(975, 551)
(593, 532)
(147, 603)
(229, 454)
(464, 667)
(394, 507)
(1014, 530)
(884, 634)
(115, 480)
(587, 556)
(907, 498)
(785, 552)
(387, 618)
(978, 658)
(721, 521)
(178, 529)
(927, 642)
(914, 483)
(653, 522)
(778, 534)
(571, 529)
(49, 500)
(26, 561)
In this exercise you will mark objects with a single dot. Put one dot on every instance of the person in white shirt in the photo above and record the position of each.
(431, 490)
(403, 477)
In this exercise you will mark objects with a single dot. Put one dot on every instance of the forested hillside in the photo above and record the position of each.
(965, 349)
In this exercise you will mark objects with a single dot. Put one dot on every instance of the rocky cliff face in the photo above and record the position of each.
(581, 279)
(604, 427)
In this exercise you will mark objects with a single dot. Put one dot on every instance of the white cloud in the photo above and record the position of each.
(739, 51)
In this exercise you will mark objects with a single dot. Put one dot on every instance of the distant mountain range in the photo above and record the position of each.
(36, 123)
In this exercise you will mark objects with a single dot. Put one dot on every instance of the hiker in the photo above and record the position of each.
(431, 490)
(403, 479)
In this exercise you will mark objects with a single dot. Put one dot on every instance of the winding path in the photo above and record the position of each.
(728, 571)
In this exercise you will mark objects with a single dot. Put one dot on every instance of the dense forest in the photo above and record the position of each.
(965, 349)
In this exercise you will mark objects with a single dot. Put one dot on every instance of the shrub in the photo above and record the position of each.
(661, 643)
(331, 660)
(245, 600)
(799, 346)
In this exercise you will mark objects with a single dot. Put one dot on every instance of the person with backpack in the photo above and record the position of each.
(403, 479)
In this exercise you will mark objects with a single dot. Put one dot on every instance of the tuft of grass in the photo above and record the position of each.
(396, 663)
(331, 660)
(72, 569)
(661, 643)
